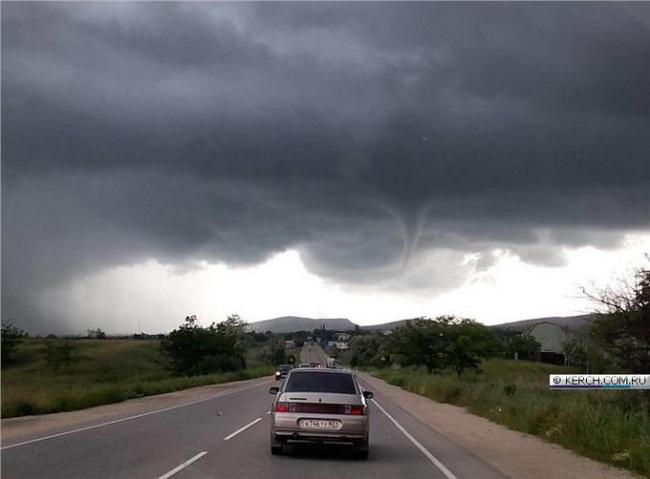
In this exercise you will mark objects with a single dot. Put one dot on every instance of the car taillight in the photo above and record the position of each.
(354, 410)
(358, 410)
(282, 407)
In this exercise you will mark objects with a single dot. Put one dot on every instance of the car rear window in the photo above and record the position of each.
(309, 382)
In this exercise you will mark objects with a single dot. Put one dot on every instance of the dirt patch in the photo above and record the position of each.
(516, 454)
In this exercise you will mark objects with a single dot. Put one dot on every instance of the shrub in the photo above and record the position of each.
(12, 336)
(195, 350)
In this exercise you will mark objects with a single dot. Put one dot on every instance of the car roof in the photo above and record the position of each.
(321, 370)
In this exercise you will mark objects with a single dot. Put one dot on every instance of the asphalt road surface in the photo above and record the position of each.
(228, 437)
(312, 353)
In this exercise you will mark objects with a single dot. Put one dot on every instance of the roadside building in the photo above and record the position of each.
(342, 337)
(552, 338)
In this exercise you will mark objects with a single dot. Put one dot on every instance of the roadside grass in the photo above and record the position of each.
(609, 426)
(104, 371)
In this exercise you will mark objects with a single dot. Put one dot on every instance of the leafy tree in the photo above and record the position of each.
(275, 353)
(193, 349)
(12, 336)
(422, 342)
(96, 333)
(255, 337)
(444, 342)
(525, 346)
(586, 354)
(369, 351)
(234, 328)
(622, 329)
(468, 343)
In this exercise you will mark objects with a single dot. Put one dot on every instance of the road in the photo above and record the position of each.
(313, 353)
(228, 436)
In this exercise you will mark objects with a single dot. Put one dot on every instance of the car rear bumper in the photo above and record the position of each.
(286, 426)
(320, 437)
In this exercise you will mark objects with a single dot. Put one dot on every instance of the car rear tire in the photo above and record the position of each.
(361, 450)
(277, 447)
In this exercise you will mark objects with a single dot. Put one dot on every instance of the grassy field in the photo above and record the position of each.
(105, 371)
(610, 426)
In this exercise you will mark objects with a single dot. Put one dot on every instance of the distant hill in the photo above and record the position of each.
(385, 326)
(570, 322)
(287, 324)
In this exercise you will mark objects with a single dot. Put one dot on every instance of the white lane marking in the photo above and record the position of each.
(268, 412)
(184, 465)
(116, 421)
(242, 429)
(417, 444)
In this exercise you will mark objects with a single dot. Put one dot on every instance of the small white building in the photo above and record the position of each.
(341, 345)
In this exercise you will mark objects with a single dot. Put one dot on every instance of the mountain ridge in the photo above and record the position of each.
(287, 324)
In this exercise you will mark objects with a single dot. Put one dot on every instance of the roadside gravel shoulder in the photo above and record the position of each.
(516, 454)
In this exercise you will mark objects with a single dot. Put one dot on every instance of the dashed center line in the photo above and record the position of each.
(184, 465)
(242, 429)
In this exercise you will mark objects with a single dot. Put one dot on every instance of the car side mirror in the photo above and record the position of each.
(274, 390)
(368, 395)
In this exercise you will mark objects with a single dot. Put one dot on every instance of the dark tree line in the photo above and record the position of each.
(441, 343)
(193, 349)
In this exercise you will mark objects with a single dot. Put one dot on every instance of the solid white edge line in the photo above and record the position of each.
(417, 444)
(227, 392)
(184, 465)
(242, 429)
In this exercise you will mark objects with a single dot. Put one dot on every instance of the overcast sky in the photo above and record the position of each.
(371, 160)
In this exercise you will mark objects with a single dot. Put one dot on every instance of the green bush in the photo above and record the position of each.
(196, 350)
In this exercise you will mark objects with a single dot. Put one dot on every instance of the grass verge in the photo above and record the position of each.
(609, 426)
(104, 372)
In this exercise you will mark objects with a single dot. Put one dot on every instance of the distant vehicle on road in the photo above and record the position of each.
(320, 405)
(304, 365)
(314, 365)
(282, 371)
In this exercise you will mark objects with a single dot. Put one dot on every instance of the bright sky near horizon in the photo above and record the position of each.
(154, 297)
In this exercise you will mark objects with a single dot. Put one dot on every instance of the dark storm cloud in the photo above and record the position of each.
(370, 137)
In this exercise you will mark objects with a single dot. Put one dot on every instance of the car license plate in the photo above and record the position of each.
(329, 424)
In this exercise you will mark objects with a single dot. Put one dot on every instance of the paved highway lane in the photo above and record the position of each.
(228, 436)
(312, 353)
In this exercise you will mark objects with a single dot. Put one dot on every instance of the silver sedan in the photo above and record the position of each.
(320, 405)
